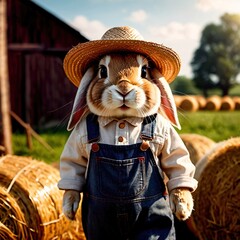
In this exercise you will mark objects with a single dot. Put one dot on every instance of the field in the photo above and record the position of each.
(215, 125)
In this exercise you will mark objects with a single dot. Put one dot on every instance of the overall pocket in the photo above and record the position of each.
(121, 178)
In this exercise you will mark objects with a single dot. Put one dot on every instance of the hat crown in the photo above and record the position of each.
(122, 33)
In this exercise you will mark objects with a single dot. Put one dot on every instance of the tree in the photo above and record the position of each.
(216, 63)
(6, 131)
(183, 86)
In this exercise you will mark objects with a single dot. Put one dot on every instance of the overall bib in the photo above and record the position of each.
(124, 195)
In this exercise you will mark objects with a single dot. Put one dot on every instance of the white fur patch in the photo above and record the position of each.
(140, 60)
(107, 60)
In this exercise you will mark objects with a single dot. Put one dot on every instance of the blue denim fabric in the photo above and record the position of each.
(124, 195)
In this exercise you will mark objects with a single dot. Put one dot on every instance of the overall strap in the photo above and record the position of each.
(148, 127)
(92, 128)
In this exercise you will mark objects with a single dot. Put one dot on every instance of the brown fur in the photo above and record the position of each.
(124, 92)
(125, 74)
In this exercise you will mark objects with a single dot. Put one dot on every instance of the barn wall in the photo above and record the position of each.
(53, 96)
(29, 23)
(37, 43)
(40, 92)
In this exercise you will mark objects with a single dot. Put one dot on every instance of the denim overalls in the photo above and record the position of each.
(124, 195)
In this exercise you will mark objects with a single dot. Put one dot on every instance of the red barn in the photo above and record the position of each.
(37, 43)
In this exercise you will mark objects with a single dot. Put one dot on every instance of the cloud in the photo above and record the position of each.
(138, 16)
(222, 5)
(176, 31)
(91, 29)
(181, 37)
(205, 5)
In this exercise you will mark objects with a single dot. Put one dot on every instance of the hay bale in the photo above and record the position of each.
(13, 223)
(213, 103)
(236, 101)
(201, 101)
(217, 212)
(31, 186)
(197, 145)
(6, 233)
(177, 99)
(189, 103)
(227, 104)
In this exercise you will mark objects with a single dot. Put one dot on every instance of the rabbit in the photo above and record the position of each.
(124, 87)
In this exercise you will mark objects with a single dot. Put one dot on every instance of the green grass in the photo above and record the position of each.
(235, 91)
(55, 139)
(215, 125)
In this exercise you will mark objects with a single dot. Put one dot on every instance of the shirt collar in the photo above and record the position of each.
(104, 121)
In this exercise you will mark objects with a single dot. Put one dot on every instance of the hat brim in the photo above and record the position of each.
(80, 57)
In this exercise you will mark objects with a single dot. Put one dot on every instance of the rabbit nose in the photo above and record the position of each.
(123, 94)
(124, 87)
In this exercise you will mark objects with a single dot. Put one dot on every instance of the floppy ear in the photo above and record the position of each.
(168, 106)
(80, 103)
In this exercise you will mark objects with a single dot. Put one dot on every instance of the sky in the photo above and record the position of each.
(174, 23)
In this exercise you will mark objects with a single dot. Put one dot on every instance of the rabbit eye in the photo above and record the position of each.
(103, 71)
(144, 72)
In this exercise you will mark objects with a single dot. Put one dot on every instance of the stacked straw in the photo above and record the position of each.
(217, 212)
(31, 203)
(197, 145)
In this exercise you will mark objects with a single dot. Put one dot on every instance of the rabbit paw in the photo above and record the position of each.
(71, 199)
(181, 203)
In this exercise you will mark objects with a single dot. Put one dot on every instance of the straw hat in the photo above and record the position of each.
(120, 39)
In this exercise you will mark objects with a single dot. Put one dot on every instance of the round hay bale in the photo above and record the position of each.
(236, 101)
(189, 103)
(227, 104)
(213, 103)
(201, 101)
(217, 212)
(32, 186)
(6, 233)
(197, 145)
(177, 99)
(13, 223)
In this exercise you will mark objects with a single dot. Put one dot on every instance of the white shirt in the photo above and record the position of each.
(169, 151)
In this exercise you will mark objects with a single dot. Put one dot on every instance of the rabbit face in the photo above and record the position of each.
(123, 87)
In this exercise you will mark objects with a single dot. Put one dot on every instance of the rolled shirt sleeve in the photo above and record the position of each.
(73, 164)
(176, 163)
